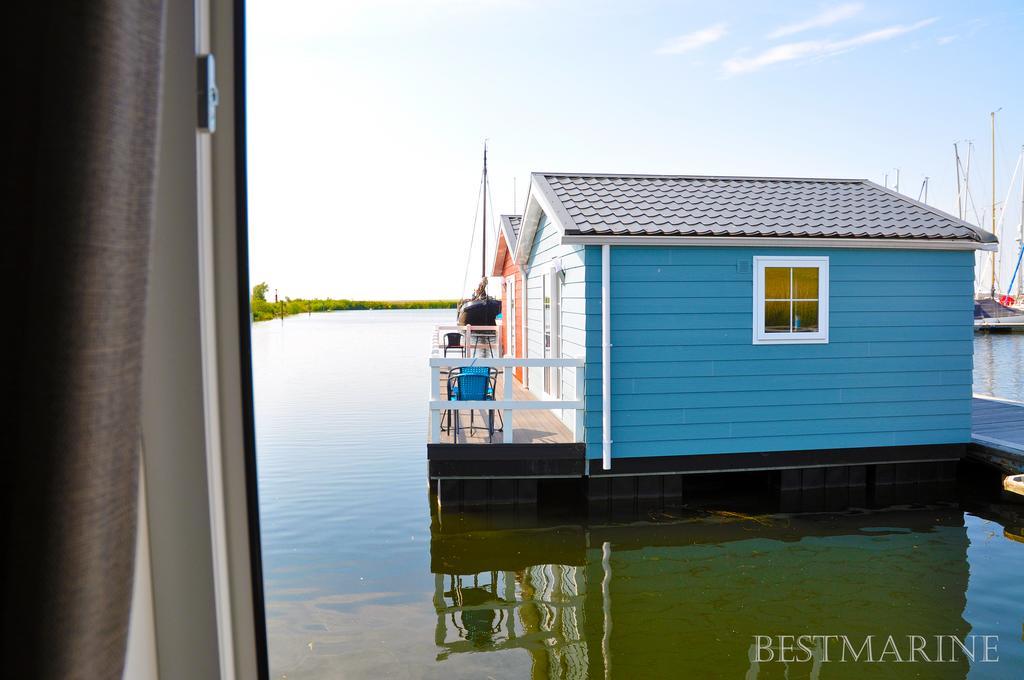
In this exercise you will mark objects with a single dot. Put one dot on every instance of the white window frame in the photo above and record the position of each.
(556, 330)
(760, 337)
(510, 322)
(551, 325)
(547, 314)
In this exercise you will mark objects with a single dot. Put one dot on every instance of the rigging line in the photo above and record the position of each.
(981, 262)
(977, 216)
(1009, 190)
(1020, 237)
(469, 252)
(1006, 202)
(968, 197)
(1016, 270)
(999, 142)
(494, 223)
(967, 177)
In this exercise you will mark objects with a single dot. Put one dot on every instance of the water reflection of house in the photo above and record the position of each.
(536, 607)
(686, 598)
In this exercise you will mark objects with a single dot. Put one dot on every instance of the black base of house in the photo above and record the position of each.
(778, 460)
(516, 476)
(515, 461)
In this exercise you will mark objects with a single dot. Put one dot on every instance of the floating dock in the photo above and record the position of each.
(991, 316)
(1007, 325)
(997, 438)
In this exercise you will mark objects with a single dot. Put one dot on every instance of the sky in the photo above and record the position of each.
(367, 118)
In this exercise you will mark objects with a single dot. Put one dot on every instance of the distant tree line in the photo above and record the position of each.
(263, 309)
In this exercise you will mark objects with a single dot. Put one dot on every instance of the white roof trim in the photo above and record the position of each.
(511, 243)
(780, 242)
(527, 228)
(510, 235)
(540, 198)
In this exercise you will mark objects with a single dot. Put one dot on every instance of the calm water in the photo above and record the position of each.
(999, 365)
(361, 581)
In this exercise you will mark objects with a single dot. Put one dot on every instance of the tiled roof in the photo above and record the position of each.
(513, 222)
(511, 225)
(686, 205)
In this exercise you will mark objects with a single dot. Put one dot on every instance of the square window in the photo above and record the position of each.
(790, 300)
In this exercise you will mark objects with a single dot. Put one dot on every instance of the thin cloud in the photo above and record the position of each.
(693, 41)
(828, 17)
(946, 39)
(809, 49)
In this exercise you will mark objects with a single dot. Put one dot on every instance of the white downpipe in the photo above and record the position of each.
(606, 357)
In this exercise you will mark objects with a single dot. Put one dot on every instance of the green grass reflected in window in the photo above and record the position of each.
(777, 283)
(777, 316)
(805, 316)
(791, 300)
(805, 281)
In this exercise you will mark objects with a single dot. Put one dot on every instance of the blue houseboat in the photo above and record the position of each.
(742, 323)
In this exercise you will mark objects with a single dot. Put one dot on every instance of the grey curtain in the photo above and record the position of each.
(83, 86)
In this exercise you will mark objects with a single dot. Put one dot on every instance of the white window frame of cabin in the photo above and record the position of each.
(195, 570)
(546, 314)
(556, 330)
(551, 332)
(510, 323)
(760, 335)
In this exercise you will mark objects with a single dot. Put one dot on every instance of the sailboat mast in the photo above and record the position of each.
(992, 260)
(959, 202)
(1020, 225)
(483, 248)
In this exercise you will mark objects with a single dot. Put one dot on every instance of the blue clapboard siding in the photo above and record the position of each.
(546, 249)
(687, 379)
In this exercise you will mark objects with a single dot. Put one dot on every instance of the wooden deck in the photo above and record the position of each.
(530, 426)
(997, 433)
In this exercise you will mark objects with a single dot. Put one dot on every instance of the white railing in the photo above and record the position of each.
(508, 404)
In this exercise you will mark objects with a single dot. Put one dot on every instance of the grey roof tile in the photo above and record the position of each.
(513, 222)
(687, 205)
(511, 225)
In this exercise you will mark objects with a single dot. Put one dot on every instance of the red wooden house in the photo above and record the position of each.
(511, 289)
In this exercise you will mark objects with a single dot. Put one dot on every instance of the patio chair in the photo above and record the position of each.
(471, 384)
(453, 342)
(492, 385)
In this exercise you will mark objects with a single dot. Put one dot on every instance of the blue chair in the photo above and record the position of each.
(480, 370)
(472, 383)
(492, 384)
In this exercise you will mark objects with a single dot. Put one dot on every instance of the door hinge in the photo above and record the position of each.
(207, 93)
